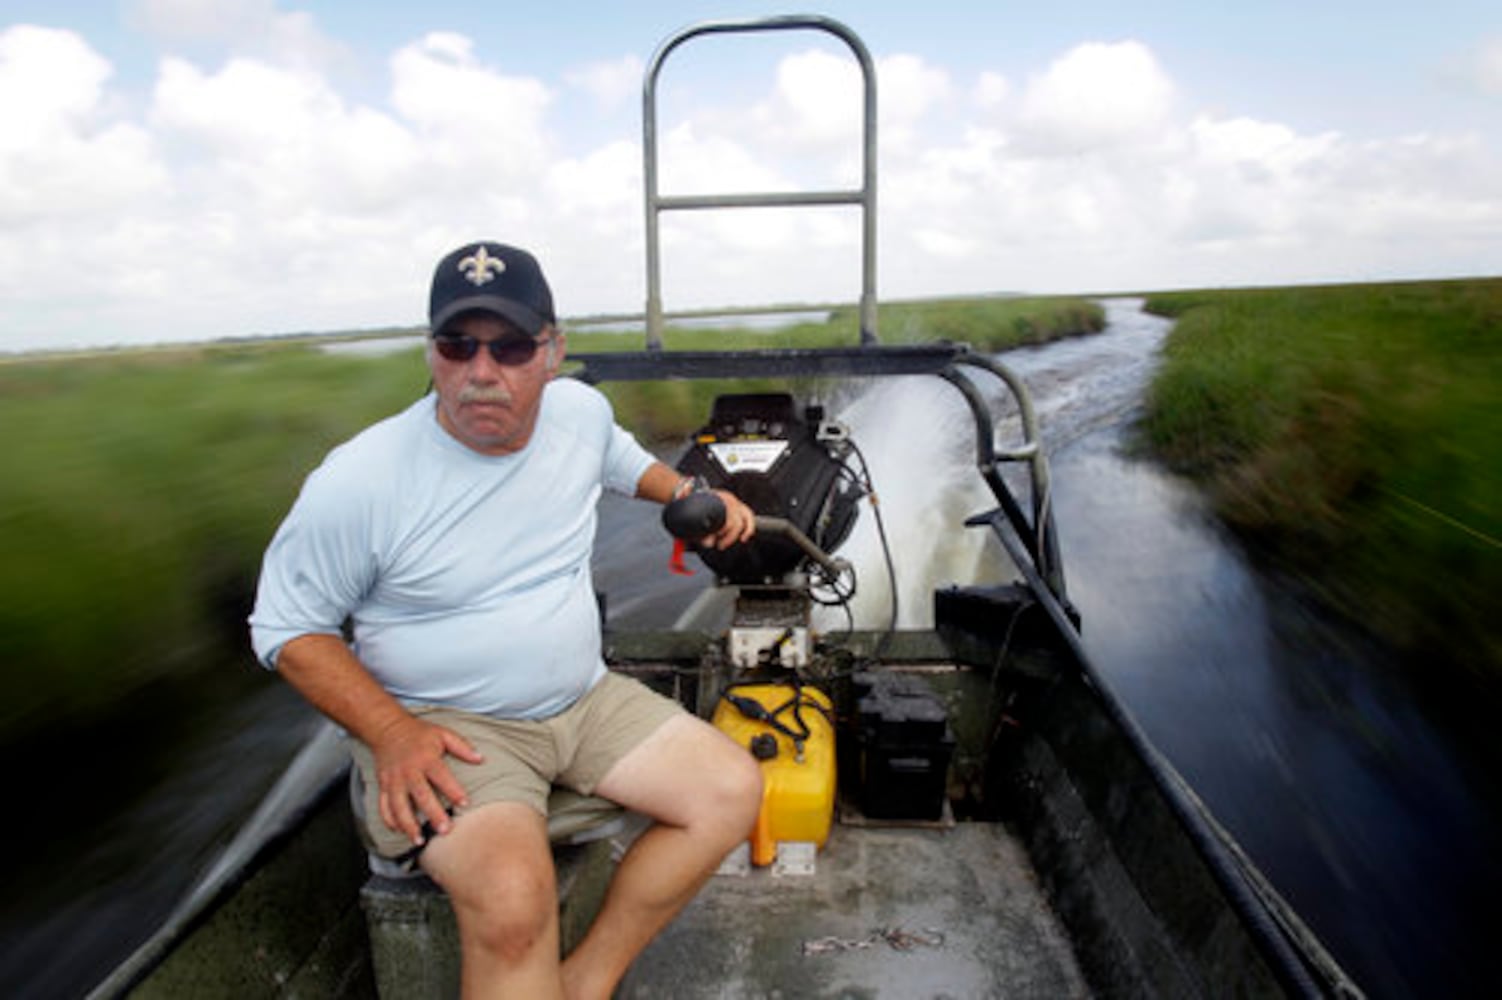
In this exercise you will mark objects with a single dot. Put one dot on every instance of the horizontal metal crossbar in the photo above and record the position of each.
(639, 366)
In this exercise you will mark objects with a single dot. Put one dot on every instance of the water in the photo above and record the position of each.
(373, 347)
(1351, 800)
(1312, 753)
(1306, 744)
(179, 773)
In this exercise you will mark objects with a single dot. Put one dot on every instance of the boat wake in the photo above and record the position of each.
(917, 436)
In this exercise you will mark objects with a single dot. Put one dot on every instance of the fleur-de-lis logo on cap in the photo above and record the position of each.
(479, 267)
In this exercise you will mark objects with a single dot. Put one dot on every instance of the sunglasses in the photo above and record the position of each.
(510, 351)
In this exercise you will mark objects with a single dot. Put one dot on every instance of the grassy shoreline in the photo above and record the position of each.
(1352, 435)
(142, 486)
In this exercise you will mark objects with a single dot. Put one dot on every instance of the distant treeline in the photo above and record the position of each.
(141, 486)
(1353, 434)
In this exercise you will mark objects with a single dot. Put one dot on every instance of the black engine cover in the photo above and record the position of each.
(758, 447)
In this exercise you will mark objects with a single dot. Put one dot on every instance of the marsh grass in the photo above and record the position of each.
(1354, 435)
(139, 491)
(140, 488)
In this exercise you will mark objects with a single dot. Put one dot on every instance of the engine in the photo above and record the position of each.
(780, 464)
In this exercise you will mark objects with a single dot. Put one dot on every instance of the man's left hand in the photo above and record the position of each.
(740, 523)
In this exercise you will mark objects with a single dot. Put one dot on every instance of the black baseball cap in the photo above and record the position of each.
(495, 278)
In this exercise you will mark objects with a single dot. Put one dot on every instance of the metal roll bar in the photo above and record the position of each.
(864, 196)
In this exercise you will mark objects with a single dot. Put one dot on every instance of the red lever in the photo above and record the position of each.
(676, 563)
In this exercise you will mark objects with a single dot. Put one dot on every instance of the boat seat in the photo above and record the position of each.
(414, 941)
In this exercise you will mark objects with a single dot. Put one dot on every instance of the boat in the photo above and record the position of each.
(961, 809)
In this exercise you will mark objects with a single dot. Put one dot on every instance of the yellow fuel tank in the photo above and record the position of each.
(798, 791)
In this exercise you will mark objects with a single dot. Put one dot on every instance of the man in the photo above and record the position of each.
(455, 537)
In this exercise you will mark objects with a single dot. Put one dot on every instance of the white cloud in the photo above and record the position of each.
(991, 91)
(49, 79)
(1096, 96)
(695, 160)
(254, 194)
(719, 243)
(815, 105)
(592, 243)
(247, 108)
(603, 186)
(62, 154)
(909, 92)
(268, 146)
(479, 126)
(71, 175)
(1147, 198)
(283, 205)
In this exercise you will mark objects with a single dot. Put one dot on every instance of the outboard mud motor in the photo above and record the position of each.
(783, 466)
(793, 470)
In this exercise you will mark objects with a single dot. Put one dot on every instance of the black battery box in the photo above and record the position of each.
(904, 743)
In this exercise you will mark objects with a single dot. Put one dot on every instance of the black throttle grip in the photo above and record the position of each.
(695, 516)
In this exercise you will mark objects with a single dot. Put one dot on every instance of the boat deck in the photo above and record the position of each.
(889, 912)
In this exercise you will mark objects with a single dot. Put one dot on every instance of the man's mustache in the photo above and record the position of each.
(484, 394)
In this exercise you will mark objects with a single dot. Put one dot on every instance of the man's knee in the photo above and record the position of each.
(508, 907)
(728, 791)
(746, 793)
(497, 868)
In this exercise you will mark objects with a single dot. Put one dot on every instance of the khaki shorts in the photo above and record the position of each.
(525, 758)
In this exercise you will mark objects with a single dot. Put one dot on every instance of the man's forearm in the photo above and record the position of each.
(658, 483)
(325, 672)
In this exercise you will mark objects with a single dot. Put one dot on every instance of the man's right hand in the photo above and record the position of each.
(415, 780)
(409, 753)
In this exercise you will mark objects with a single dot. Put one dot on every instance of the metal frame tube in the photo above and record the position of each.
(864, 196)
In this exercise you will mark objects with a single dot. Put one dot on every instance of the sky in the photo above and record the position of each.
(179, 170)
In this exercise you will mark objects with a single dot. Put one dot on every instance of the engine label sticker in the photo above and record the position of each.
(747, 456)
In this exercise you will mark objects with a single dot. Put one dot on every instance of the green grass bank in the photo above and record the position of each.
(141, 487)
(1352, 434)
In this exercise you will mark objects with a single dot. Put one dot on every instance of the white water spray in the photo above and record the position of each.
(918, 439)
